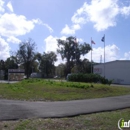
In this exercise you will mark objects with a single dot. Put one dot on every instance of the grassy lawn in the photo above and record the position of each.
(47, 90)
(98, 121)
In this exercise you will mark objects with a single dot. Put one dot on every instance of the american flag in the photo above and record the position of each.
(92, 42)
(75, 40)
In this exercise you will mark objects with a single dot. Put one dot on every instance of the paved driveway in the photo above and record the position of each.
(121, 85)
(12, 109)
(6, 81)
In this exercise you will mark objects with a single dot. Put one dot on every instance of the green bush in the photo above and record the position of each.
(88, 78)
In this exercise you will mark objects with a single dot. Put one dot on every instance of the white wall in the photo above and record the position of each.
(119, 71)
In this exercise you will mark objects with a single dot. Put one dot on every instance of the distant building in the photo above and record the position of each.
(118, 71)
(16, 74)
(35, 75)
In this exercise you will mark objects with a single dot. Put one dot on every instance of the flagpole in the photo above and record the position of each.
(104, 55)
(91, 54)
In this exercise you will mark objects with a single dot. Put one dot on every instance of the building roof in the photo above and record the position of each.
(114, 61)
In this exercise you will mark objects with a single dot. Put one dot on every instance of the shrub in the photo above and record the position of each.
(88, 78)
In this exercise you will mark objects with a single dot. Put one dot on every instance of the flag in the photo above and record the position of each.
(92, 42)
(103, 39)
(75, 40)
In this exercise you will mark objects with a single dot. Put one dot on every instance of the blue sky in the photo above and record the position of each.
(47, 20)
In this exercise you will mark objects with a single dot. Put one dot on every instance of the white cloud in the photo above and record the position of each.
(13, 39)
(1, 6)
(63, 38)
(76, 27)
(50, 29)
(10, 7)
(125, 11)
(100, 12)
(80, 16)
(126, 56)
(11, 26)
(39, 21)
(59, 60)
(4, 49)
(15, 25)
(70, 30)
(111, 53)
(51, 43)
(79, 40)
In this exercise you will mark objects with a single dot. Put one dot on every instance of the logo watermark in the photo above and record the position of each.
(123, 124)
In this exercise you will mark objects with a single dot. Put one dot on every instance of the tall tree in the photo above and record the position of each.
(46, 63)
(26, 55)
(71, 50)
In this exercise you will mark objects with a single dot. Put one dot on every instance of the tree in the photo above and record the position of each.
(35, 67)
(2, 65)
(26, 55)
(71, 50)
(60, 70)
(10, 64)
(2, 69)
(46, 63)
(84, 66)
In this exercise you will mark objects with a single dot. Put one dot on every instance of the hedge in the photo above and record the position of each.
(88, 78)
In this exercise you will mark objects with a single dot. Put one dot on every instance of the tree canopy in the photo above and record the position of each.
(26, 55)
(71, 50)
(27, 58)
(46, 63)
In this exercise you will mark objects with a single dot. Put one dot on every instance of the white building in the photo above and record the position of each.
(118, 71)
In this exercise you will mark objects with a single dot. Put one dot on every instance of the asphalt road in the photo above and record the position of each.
(13, 110)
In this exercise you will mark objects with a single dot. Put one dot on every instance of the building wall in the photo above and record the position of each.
(2, 73)
(119, 71)
(15, 76)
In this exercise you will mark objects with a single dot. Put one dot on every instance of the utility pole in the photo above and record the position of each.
(103, 40)
(92, 42)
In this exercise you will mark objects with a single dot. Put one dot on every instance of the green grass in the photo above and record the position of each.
(47, 90)
(98, 121)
